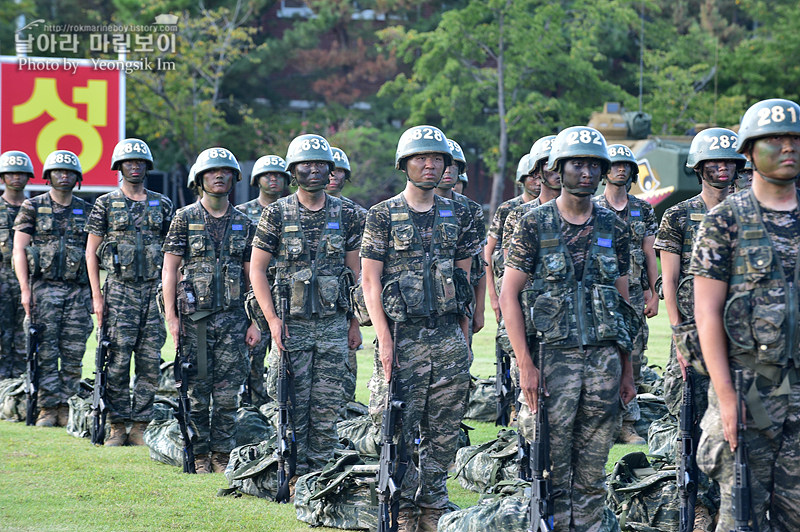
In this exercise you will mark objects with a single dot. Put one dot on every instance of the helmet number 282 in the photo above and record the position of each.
(584, 136)
(775, 113)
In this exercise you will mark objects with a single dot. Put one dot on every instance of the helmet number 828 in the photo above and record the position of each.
(427, 133)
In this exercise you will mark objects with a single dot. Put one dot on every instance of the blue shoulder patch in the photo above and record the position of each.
(445, 213)
(154, 203)
(636, 213)
(236, 227)
(604, 242)
(333, 225)
(77, 211)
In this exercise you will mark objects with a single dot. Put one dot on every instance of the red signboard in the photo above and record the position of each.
(59, 103)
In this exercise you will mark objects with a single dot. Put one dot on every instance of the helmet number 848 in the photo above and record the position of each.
(775, 113)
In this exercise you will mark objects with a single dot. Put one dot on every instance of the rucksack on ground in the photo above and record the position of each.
(13, 399)
(479, 467)
(644, 496)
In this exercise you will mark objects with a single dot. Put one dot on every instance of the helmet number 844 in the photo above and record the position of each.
(776, 113)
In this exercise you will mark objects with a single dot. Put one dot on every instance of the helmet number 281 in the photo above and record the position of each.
(775, 113)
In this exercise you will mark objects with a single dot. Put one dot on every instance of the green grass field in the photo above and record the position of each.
(52, 481)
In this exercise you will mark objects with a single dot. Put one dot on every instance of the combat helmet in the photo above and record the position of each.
(62, 160)
(523, 168)
(768, 118)
(15, 162)
(215, 158)
(422, 139)
(265, 165)
(540, 151)
(620, 153)
(463, 178)
(578, 141)
(341, 161)
(129, 150)
(458, 155)
(714, 144)
(307, 148)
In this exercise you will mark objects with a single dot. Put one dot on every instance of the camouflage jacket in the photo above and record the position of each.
(252, 209)
(7, 214)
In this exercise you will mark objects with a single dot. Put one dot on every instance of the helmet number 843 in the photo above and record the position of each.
(134, 147)
(776, 113)
(584, 136)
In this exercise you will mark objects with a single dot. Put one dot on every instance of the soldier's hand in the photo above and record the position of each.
(681, 361)
(252, 336)
(386, 353)
(275, 329)
(729, 423)
(650, 304)
(97, 310)
(529, 382)
(26, 299)
(174, 327)
(494, 301)
(627, 389)
(354, 337)
(477, 322)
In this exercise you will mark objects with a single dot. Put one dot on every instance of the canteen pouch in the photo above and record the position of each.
(550, 317)
(299, 292)
(445, 287)
(604, 311)
(412, 290)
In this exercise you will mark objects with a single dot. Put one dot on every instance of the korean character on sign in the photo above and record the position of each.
(144, 43)
(121, 42)
(166, 42)
(68, 42)
(46, 43)
(24, 45)
(98, 42)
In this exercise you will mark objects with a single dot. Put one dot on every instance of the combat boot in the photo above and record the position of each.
(118, 435)
(628, 435)
(702, 519)
(48, 417)
(407, 520)
(202, 464)
(136, 436)
(219, 461)
(429, 519)
(63, 415)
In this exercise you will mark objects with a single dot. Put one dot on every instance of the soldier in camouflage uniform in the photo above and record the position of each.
(745, 263)
(714, 159)
(210, 242)
(641, 219)
(270, 176)
(575, 254)
(461, 187)
(744, 178)
(477, 277)
(412, 241)
(340, 175)
(314, 239)
(126, 230)
(49, 249)
(15, 171)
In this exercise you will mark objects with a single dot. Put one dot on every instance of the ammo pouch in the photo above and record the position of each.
(347, 280)
(153, 260)
(527, 297)
(203, 288)
(464, 294)
(394, 304)
(359, 306)
(756, 327)
(299, 292)
(127, 261)
(637, 265)
(47, 263)
(254, 312)
(32, 256)
(685, 297)
(186, 298)
(444, 285)
(550, 317)
(629, 326)
(687, 343)
(605, 300)
(75, 264)
(232, 285)
(410, 290)
(105, 254)
(327, 294)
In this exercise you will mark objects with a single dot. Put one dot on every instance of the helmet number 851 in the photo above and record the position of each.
(776, 113)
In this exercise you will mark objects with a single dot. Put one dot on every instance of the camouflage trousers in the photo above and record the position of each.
(773, 459)
(434, 383)
(135, 327)
(255, 381)
(214, 399)
(707, 489)
(631, 411)
(63, 311)
(351, 376)
(584, 413)
(12, 333)
(317, 351)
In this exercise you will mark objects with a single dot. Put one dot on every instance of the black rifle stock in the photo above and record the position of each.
(181, 368)
(99, 406)
(393, 460)
(687, 467)
(503, 387)
(286, 450)
(541, 510)
(32, 374)
(742, 502)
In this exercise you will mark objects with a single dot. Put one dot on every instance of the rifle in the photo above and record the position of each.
(393, 462)
(32, 375)
(742, 503)
(503, 386)
(181, 368)
(687, 467)
(540, 512)
(286, 450)
(99, 407)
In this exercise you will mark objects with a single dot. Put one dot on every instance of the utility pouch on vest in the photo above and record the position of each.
(328, 293)
(5, 245)
(394, 304)
(237, 243)
(687, 343)
(608, 268)
(160, 299)
(197, 245)
(464, 295)
(605, 300)
(75, 264)
(32, 256)
(186, 299)
(550, 317)
(232, 291)
(629, 324)
(527, 297)
(254, 312)
(637, 265)
(445, 287)
(412, 290)
(154, 259)
(203, 285)
(402, 236)
(299, 292)
(347, 280)
(105, 254)
(685, 296)
(498, 263)
(48, 265)
(127, 261)
(118, 219)
(359, 306)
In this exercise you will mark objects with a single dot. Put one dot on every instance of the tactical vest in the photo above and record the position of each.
(761, 314)
(6, 233)
(685, 291)
(216, 280)
(477, 269)
(252, 209)
(129, 253)
(571, 312)
(498, 259)
(419, 283)
(315, 281)
(526, 295)
(637, 282)
(53, 255)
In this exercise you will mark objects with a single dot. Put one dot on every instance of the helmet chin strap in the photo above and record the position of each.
(772, 180)
(424, 185)
(314, 188)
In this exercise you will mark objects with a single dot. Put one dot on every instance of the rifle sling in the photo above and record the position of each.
(766, 376)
